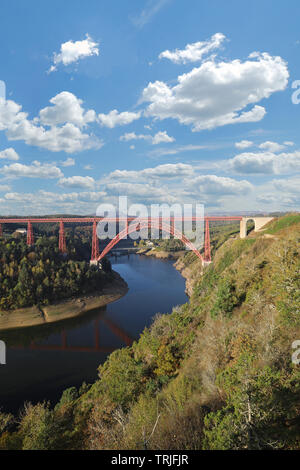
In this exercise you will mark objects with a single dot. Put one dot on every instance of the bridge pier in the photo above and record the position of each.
(95, 243)
(259, 223)
(1, 230)
(62, 238)
(30, 237)
(207, 251)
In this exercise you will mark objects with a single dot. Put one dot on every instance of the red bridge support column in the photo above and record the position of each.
(95, 243)
(97, 335)
(30, 237)
(64, 340)
(1, 230)
(62, 238)
(207, 253)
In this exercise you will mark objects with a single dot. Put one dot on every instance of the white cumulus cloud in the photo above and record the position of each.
(77, 182)
(67, 137)
(9, 154)
(244, 144)
(35, 170)
(4, 187)
(114, 118)
(162, 137)
(286, 191)
(73, 51)
(218, 93)
(265, 163)
(194, 52)
(168, 170)
(68, 162)
(220, 185)
(158, 138)
(271, 146)
(66, 108)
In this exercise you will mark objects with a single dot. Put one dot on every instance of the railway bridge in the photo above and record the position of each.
(159, 223)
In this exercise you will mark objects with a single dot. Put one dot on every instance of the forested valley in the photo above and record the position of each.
(40, 274)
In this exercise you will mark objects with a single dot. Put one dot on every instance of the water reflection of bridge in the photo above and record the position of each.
(114, 328)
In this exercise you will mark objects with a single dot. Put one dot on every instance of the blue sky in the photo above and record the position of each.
(161, 100)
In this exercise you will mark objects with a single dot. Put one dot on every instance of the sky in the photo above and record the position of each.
(162, 101)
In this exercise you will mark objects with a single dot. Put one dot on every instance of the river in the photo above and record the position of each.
(43, 361)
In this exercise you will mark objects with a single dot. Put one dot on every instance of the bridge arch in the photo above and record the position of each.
(143, 224)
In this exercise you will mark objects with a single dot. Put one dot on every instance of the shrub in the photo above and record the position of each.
(226, 299)
(121, 377)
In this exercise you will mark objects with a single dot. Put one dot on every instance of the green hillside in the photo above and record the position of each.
(217, 373)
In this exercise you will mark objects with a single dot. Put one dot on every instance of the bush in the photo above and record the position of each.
(226, 299)
(121, 377)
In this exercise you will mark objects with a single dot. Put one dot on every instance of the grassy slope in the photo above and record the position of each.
(215, 374)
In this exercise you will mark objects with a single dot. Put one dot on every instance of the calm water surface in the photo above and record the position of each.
(43, 361)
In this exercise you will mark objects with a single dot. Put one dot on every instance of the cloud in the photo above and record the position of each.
(175, 150)
(52, 202)
(77, 182)
(182, 183)
(35, 170)
(267, 199)
(244, 144)
(286, 191)
(4, 187)
(133, 136)
(218, 93)
(10, 114)
(68, 137)
(114, 118)
(168, 170)
(253, 163)
(138, 191)
(178, 182)
(290, 185)
(195, 51)
(151, 9)
(162, 137)
(50, 197)
(265, 163)
(71, 52)
(158, 138)
(68, 162)
(67, 108)
(2, 89)
(219, 185)
(9, 154)
(271, 146)
(289, 143)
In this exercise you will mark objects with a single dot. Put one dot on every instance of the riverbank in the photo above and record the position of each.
(70, 308)
(160, 254)
(190, 273)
